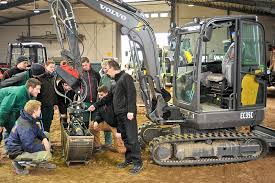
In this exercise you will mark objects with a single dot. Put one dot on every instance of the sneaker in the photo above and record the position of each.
(20, 170)
(136, 169)
(124, 164)
(48, 166)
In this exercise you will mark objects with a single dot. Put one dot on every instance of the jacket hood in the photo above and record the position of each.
(27, 116)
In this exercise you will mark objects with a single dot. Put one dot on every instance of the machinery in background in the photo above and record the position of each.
(166, 58)
(35, 51)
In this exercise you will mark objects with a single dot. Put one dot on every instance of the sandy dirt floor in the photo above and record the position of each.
(102, 166)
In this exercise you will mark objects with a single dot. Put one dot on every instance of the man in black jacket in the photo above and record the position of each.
(92, 79)
(21, 66)
(105, 121)
(124, 102)
(47, 95)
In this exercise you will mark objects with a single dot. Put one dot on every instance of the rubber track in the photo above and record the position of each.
(221, 135)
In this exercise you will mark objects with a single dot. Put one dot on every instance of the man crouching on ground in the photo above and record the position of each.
(105, 121)
(27, 142)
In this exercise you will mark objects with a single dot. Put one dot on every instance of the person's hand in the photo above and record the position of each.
(96, 126)
(118, 135)
(91, 108)
(46, 144)
(130, 115)
(55, 107)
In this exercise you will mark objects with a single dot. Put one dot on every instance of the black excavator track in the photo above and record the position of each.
(165, 150)
(141, 130)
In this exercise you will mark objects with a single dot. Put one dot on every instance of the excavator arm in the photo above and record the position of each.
(136, 27)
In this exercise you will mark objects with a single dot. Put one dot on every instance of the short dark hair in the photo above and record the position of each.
(103, 89)
(32, 82)
(85, 59)
(113, 64)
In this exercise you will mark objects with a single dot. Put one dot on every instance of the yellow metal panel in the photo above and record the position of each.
(249, 90)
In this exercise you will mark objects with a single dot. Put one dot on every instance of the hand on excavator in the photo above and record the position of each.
(91, 108)
(96, 126)
(130, 115)
(118, 135)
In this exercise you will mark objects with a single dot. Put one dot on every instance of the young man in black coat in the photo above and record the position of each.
(47, 95)
(92, 78)
(124, 102)
(105, 121)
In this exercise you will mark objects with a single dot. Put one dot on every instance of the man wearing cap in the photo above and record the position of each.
(36, 71)
(21, 66)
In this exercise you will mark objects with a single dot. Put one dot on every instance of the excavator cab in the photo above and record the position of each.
(218, 75)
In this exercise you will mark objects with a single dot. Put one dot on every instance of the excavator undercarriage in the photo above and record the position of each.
(172, 146)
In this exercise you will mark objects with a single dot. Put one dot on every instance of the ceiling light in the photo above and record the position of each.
(36, 11)
(3, 2)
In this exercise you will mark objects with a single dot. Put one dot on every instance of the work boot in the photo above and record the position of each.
(109, 147)
(98, 150)
(136, 169)
(48, 166)
(124, 164)
(20, 170)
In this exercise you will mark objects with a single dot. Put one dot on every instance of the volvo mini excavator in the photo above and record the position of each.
(218, 84)
(219, 96)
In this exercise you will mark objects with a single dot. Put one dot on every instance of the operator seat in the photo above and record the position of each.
(227, 68)
(219, 85)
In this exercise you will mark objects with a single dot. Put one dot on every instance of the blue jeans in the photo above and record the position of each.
(108, 138)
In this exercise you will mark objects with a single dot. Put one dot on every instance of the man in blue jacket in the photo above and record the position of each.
(27, 142)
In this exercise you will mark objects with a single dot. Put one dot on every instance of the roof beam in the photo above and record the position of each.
(229, 6)
(23, 17)
(20, 8)
(15, 3)
(4, 17)
(255, 3)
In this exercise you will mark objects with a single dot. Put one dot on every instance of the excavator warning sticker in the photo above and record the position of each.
(246, 115)
(139, 26)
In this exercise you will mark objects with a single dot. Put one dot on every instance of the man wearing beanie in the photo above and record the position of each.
(36, 71)
(21, 66)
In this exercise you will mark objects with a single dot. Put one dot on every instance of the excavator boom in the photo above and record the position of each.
(133, 24)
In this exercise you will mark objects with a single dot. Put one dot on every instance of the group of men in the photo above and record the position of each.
(110, 104)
